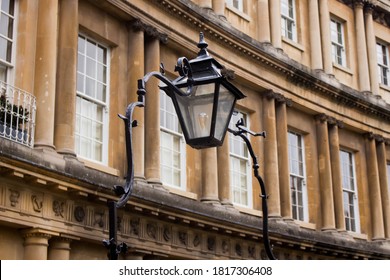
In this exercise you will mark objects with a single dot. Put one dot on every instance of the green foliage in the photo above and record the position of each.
(10, 113)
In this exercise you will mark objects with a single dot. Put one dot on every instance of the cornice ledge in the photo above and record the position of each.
(272, 58)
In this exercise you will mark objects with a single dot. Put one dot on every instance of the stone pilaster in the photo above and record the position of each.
(136, 70)
(336, 174)
(219, 7)
(364, 78)
(371, 48)
(325, 36)
(223, 157)
(325, 174)
(315, 37)
(378, 231)
(209, 176)
(65, 115)
(383, 180)
(26, 46)
(271, 170)
(283, 160)
(152, 113)
(45, 73)
(263, 21)
(276, 31)
(205, 4)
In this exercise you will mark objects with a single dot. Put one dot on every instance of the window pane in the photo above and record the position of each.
(297, 173)
(91, 49)
(349, 191)
(172, 146)
(91, 99)
(7, 6)
(240, 172)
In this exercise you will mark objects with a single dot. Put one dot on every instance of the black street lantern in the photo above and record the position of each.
(206, 99)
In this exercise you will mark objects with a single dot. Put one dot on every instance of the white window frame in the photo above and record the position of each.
(302, 177)
(351, 174)
(383, 63)
(9, 65)
(243, 157)
(176, 133)
(236, 4)
(338, 45)
(105, 105)
(288, 20)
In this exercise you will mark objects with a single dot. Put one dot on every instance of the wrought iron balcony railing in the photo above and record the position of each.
(17, 114)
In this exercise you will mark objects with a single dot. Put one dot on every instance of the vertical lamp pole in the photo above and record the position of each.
(204, 101)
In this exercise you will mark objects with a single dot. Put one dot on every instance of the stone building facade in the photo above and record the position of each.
(316, 76)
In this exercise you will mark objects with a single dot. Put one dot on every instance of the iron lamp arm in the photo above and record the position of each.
(241, 132)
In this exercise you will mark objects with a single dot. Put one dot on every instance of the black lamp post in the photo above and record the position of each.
(204, 101)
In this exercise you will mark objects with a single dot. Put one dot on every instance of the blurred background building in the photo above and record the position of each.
(316, 76)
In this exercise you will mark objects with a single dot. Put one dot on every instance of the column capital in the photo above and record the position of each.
(369, 7)
(369, 135)
(335, 122)
(149, 30)
(270, 94)
(379, 138)
(359, 3)
(37, 232)
(321, 117)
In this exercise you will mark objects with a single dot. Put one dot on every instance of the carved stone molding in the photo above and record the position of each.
(37, 203)
(58, 208)
(79, 214)
(151, 230)
(14, 197)
(295, 74)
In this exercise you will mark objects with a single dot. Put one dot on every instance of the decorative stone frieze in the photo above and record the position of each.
(37, 203)
(14, 197)
(79, 214)
(58, 207)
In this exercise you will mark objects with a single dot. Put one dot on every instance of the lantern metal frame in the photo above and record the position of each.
(191, 75)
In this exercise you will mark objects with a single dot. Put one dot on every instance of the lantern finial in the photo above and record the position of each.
(202, 45)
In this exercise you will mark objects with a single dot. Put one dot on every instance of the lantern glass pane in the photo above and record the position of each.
(197, 110)
(226, 101)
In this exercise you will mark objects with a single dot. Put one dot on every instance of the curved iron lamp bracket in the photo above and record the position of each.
(184, 69)
(242, 131)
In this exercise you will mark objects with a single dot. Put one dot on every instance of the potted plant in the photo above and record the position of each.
(12, 119)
